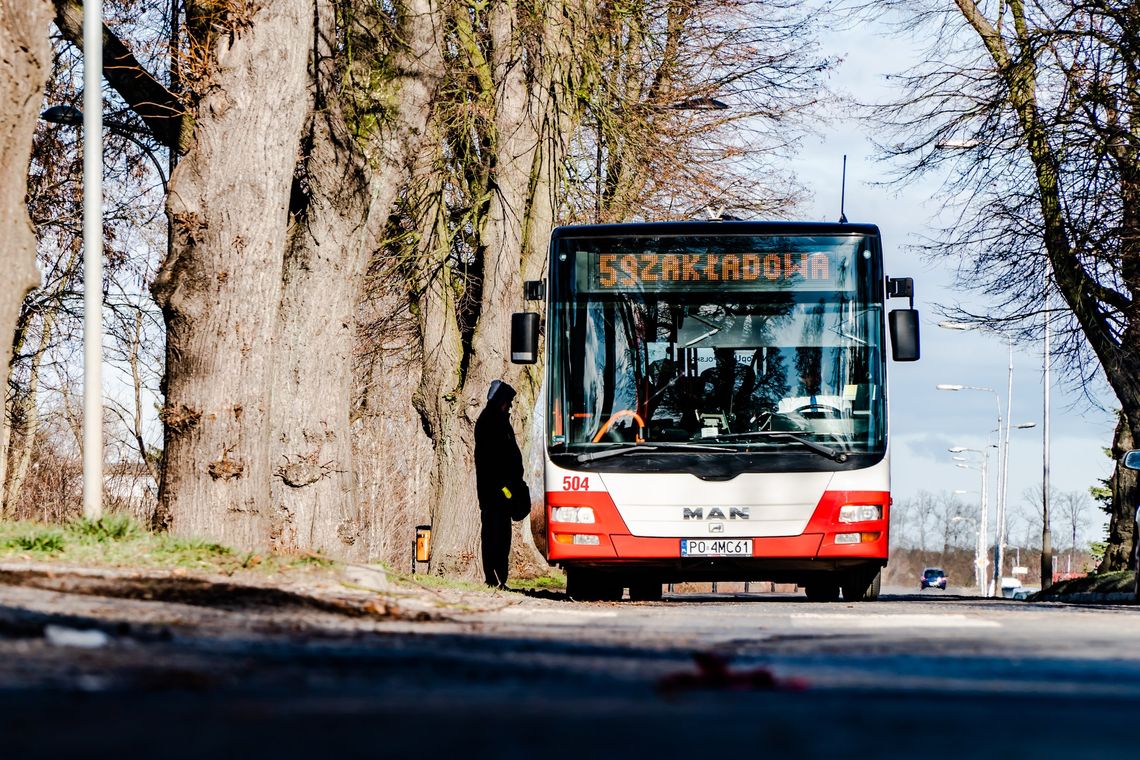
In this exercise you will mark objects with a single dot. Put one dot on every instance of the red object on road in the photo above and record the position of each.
(713, 672)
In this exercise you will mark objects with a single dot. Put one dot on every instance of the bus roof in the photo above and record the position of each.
(735, 227)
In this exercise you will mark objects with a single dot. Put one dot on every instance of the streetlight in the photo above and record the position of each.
(1046, 533)
(1001, 450)
(72, 117)
(1003, 474)
(93, 260)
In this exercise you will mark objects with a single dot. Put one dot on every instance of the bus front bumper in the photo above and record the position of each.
(825, 540)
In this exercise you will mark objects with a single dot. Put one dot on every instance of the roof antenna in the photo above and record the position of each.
(843, 192)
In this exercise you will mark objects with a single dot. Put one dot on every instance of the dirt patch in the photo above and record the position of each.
(200, 592)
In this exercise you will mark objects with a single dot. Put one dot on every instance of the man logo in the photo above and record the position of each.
(716, 513)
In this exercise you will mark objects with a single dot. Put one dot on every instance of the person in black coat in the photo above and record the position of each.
(498, 470)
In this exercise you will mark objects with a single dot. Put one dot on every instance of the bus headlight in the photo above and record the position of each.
(860, 513)
(572, 514)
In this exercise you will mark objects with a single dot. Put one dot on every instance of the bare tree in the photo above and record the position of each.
(1025, 520)
(922, 524)
(1073, 508)
(1032, 108)
(48, 326)
(692, 105)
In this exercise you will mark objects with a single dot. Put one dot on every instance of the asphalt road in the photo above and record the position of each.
(913, 675)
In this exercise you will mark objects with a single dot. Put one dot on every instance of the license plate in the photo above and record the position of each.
(716, 547)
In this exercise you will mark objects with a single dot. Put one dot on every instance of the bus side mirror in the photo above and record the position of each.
(524, 337)
(903, 324)
(1131, 460)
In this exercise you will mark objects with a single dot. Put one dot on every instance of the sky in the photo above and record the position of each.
(925, 421)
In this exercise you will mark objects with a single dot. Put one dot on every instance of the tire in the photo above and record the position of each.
(584, 585)
(645, 591)
(822, 591)
(862, 586)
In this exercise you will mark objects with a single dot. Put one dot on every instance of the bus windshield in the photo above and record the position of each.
(752, 343)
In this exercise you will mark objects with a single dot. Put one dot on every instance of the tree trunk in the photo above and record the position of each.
(1118, 554)
(25, 58)
(391, 448)
(529, 135)
(221, 288)
(314, 494)
(24, 417)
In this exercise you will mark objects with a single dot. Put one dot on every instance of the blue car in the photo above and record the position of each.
(933, 577)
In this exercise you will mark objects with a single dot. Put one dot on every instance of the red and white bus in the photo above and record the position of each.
(716, 405)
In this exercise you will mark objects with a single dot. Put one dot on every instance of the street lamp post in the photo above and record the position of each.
(1003, 474)
(999, 533)
(93, 260)
(1046, 534)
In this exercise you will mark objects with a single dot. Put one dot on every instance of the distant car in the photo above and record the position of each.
(933, 577)
(1023, 592)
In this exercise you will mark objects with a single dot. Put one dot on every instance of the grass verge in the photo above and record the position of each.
(1120, 581)
(118, 541)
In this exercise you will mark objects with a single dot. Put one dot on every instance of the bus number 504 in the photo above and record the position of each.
(575, 483)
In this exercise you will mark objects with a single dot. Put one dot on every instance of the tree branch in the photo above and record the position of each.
(159, 109)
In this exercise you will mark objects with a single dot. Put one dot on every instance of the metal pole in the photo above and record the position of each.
(1046, 534)
(979, 551)
(1003, 486)
(92, 260)
(983, 528)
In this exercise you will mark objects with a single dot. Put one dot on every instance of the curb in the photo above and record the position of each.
(1088, 597)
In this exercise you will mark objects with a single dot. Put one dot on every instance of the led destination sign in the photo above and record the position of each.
(614, 272)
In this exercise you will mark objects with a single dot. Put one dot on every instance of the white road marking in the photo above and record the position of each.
(877, 622)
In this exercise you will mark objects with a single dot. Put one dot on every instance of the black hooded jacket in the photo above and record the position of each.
(498, 461)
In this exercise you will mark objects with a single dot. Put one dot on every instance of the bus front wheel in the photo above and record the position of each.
(822, 591)
(585, 585)
(645, 591)
(862, 585)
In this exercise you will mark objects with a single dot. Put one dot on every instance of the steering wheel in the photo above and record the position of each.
(617, 416)
(821, 410)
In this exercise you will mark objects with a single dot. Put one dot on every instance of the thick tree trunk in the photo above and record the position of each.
(221, 288)
(449, 415)
(25, 58)
(529, 135)
(314, 493)
(314, 507)
(392, 451)
(1118, 555)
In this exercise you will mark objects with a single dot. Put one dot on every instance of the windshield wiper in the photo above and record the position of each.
(833, 454)
(650, 447)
